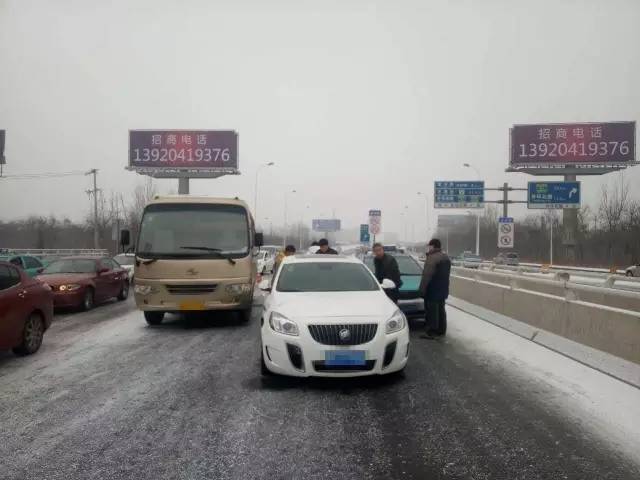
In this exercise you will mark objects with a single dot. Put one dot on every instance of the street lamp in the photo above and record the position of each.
(302, 217)
(286, 227)
(468, 165)
(255, 191)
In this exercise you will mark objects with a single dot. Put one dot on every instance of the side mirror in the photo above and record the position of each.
(125, 238)
(388, 284)
(265, 285)
(258, 239)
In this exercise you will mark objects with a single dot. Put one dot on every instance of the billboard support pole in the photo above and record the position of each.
(570, 226)
(183, 185)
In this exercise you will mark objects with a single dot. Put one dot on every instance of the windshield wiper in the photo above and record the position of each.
(217, 251)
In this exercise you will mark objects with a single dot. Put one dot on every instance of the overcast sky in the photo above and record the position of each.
(361, 104)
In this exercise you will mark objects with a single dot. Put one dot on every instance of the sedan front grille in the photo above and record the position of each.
(191, 289)
(344, 334)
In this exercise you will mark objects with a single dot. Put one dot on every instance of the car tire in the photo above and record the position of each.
(245, 315)
(88, 300)
(32, 335)
(124, 292)
(154, 318)
(629, 273)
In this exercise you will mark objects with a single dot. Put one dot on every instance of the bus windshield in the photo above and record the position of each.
(198, 230)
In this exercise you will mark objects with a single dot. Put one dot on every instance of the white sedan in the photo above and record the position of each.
(633, 271)
(126, 261)
(328, 316)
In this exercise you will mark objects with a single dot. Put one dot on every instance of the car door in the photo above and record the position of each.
(14, 306)
(31, 265)
(113, 276)
(102, 281)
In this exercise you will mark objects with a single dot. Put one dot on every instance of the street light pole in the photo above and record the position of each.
(286, 226)
(468, 165)
(255, 191)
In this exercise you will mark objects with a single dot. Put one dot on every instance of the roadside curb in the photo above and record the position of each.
(618, 368)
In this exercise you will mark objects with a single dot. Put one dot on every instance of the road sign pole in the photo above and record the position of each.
(505, 200)
(478, 234)
(551, 245)
(570, 227)
(183, 185)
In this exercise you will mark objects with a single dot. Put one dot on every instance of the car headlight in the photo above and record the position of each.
(396, 323)
(238, 288)
(145, 289)
(282, 324)
(69, 288)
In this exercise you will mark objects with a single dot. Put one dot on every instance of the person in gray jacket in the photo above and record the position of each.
(434, 288)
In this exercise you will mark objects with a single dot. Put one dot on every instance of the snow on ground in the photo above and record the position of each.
(603, 406)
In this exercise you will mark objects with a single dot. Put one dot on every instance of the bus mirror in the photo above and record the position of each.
(258, 240)
(125, 238)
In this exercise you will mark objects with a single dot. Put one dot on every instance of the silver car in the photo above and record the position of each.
(633, 271)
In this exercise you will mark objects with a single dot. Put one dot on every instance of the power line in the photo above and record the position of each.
(29, 176)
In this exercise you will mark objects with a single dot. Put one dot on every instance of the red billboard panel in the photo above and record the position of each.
(573, 144)
(175, 150)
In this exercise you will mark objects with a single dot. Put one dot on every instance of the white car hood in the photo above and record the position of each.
(333, 304)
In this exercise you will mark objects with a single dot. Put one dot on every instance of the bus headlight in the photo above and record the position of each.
(238, 288)
(145, 289)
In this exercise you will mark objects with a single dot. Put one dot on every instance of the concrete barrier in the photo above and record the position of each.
(558, 309)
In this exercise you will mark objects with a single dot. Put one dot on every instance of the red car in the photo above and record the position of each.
(26, 310)
(82, 282)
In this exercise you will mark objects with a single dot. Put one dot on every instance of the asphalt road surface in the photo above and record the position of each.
(108, 397)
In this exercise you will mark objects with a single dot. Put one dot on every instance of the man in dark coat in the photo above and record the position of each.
(325, 249)
(387, 267)
(434, 288)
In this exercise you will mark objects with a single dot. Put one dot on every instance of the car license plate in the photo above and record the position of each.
(192, 305)
(344, 357)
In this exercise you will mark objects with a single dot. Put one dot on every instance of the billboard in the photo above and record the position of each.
(458, 194)
(174, 153)
(2, 160)
(552, 195)
(558, 145)
(325, 225)
(375, 222)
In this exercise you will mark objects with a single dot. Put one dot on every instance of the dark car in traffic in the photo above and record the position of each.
(409, 301)
(26, 310)
(83, 282)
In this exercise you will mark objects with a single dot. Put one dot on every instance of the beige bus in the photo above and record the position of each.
(195, 253)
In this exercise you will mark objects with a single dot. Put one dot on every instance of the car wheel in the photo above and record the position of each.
(245, 315)
(154, 318)
(32, 335)
(88, 301)
(629, 273)
(124, 292)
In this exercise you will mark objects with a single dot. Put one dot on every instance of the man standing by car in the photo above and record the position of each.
(434, 288)
(387, 267)
(325, 249)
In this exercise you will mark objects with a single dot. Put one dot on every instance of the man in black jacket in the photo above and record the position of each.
(387, 267)
(325, 249)
(434, 288)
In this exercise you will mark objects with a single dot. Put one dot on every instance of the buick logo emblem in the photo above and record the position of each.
(344, 334)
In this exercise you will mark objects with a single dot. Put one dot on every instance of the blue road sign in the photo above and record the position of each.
(325, 225)
(364, 233)
(459, 194)
(554, 195)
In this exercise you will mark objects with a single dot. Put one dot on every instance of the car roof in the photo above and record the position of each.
(313, 258)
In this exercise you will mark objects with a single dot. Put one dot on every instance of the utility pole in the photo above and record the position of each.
(94, 192)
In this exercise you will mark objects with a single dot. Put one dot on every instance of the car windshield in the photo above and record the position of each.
(71, 266)
(326, 277)
(125, 259)
(193, 231)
